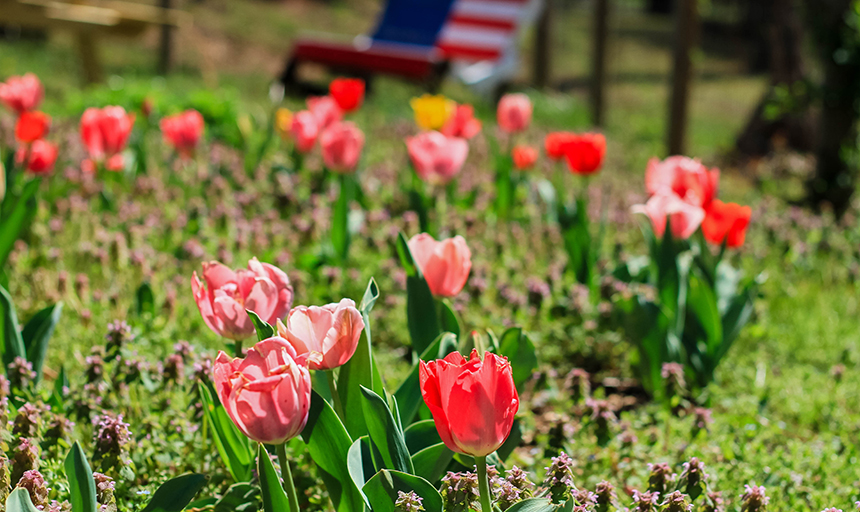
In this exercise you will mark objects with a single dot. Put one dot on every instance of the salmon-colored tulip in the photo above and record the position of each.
(348, 93)
(684, 218)
(462, 123)
(268, 393)
(327, 335)
(305, 129)
(473, 402)
(326, 110)
(22, 93)
(105, 132)
(261, 288)
(524, 157)
(555, 144)
(726, 222)
(183, 131)
(585, 153)
(38, 157)
(514, 113)
(435, 157)
(32, 125)
(341, 145)
(683, 176)
(445, 264)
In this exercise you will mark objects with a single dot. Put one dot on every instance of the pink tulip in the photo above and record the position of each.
(305, 130)
(38, 157)
(514, 113)
(326, 335)
(326, 110)
(445, 264)
(341, 145)
(436, 157)
(685, 177)
(105, 133)
(261, 288)
(22, 93)
(183, 131)
(268, 393)
(684, 218)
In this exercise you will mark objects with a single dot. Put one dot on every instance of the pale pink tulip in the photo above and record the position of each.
(436, 157)
(514, 113)
(684, 218)
(304, 129)
(341, 145)
(326, 110)
(327, 335)
(685, 177)
(445, 264)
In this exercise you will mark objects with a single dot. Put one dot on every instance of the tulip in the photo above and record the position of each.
(555, 144)
(683, 176)
(22, 93)
(327, 335)
(341, 145)
(435, 157)
(524, 157)
(432, 112)
(268, 393)
(261, 288)
(347, 92)
(684, 218)
(473, 402)
(283, 122)
(462, 123)
(445, 264)
(514, 113)
(326, 110)
(726, 223)
(32, 125)
(2, 182)
(183, 131)
(305, 130)
(38, 158)
(105, 133)
(585, 153)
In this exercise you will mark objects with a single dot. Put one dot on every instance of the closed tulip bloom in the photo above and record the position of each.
(514, 113)
(304, 129)
(327, 335)
(473, 402)
(38, 157)
(261, 288)
(445, 264)
(524, 157)
(462, 123)
(555, 144)
(268, 393)
(435, 157)
(726, 222)
(326, 110)
(341, 145)
(684, 218)
(283, 122)
(183, 131)
(32, 125)
(685, 177)
(432, 111)
(22, 93)
(348, 93)
(585, 153)
(105, 132)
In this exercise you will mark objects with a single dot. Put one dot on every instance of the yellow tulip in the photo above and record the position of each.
(283, 122)
(431, 112)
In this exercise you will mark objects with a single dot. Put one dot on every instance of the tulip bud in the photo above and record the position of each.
(341, 145)
(327, 335)
(445, 264)
(437, 158)
(514, 113)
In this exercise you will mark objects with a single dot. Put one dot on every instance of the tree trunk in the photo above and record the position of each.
(661, 6)
(543, 46)
(598, 65)
(686, 34)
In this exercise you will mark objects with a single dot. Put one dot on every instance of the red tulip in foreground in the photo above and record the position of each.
(473, 402)
(726, 222)
(325, 109)
(556, 143)
(462, 123)
(341, 145)
(348, 93)
(38, 157)
(32, 125)
(524, 157)
(183, 131)
(445, 264)
(268, 393)
(304, 129)
(585, 153)
(261, 288)
(685, 177)
(514, 113)
(436, 157)
(327, 336)
(105, 132)
(22, 93)
(684, 218)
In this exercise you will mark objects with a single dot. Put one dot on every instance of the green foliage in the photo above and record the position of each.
(81, 483)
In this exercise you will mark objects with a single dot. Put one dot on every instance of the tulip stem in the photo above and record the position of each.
(335, 396)
(287, 475)
(238, 346)
(484, 484)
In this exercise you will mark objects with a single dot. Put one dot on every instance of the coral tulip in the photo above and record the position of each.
(462, 123)
(555, 144)
(726, 222)
(341, 145)
(32, 125)
(268, 393)
(445, 264)
(514, 113)
(686, 177)
(684, 218)
(326, 110)
(585, 153)
(305, 129)
(473, 402)
(22, 93)
(38, 157)
(261, 288)
(183, 131)
(435, 157)
(327, 335)
(347, 92)
(105, 132)
(432, 112)
(524, 157)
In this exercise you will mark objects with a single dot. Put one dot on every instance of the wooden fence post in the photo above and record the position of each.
(165, 50)
(598, 63)
(686, 33)
(543, 41)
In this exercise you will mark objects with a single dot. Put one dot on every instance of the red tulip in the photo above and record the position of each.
(435, 157)
(32, 125)
(327, 335)
(105, 133)
(445, 264)
(726, 222)
(341, 145)
(326, 110)
(473, 402)
(684, 218)
(22, 93)
(268, 393)
(514, 113)
(39, 156)
(183, 131)
(463, 123)
(585, 153)
(524, 157)
(347, 92)
(555, 144)
(683, 176)
(304, 130)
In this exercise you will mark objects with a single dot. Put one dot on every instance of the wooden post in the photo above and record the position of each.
(543, 41)
(165, 51)
(90, 63)
(598, 64)
(686, 33)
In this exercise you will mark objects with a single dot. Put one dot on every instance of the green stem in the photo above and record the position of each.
(484, 484)
(335, 396)
(238, 346)
(287, 475)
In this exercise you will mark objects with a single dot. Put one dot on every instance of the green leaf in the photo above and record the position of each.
(358, 461)
(19, 501)
(264, 330)
(37, 333)
(408, 395)
(533, 505)
(420, 435)
(382, 490)
(702, 304)
(328, 445)
(241, 497)
(145, 299)
(82, 486)
(421, 313)
(274, 497)
(13, 345)
(575, 231)
(175, 494)
(385, 433)
(448, 319)
(16, 219)
(430, 463)
(520, 351)
(232, 445)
